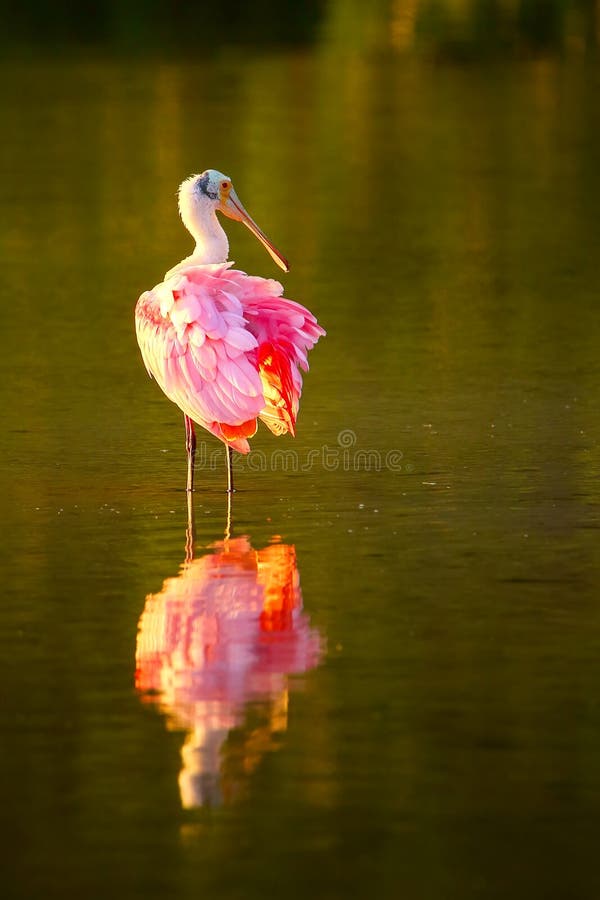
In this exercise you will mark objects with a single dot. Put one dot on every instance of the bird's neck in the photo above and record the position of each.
(212, 245)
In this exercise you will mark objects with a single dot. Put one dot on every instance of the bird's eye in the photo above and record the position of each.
(225, 185)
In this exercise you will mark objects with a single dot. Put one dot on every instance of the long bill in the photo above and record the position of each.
(233, 208)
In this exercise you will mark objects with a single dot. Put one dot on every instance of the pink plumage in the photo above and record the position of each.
(226, 347)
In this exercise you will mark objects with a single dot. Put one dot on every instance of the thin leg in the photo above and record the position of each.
(230, 487)
(190, 447)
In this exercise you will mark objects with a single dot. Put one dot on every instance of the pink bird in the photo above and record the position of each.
(226, 347)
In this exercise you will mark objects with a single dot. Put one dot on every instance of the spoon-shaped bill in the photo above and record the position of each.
(232, 207)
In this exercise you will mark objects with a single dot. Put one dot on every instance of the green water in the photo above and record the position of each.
(442, 221)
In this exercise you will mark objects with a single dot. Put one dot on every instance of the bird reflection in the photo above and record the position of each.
(214, 650)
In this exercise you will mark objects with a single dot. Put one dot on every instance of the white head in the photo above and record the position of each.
(200, 197)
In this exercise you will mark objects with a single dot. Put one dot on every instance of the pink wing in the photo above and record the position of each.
(285, 332)
(194, 342)
(226, 348)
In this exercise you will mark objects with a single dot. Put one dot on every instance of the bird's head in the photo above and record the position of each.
(214, 191)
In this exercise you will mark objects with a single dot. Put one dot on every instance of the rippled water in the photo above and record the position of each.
(386, 682)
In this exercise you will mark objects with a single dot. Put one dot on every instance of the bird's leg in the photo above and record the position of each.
(230, 487)
(190, 446)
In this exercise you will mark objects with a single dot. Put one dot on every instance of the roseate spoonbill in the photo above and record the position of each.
(226, 347)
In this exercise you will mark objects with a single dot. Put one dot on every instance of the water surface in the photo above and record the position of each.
(440, 734)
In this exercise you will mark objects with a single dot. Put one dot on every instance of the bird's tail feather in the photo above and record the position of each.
(281, 396)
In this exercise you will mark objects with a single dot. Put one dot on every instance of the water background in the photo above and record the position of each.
(439, 204)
